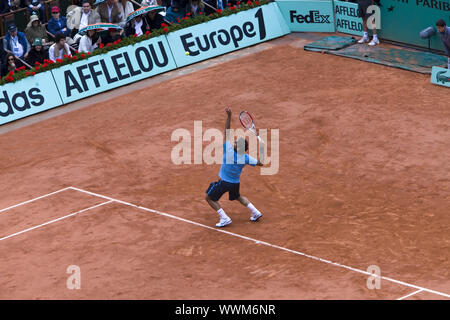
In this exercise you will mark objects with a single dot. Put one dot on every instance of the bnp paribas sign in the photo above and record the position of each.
(308, 16)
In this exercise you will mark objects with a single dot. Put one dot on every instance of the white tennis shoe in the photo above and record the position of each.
(223, 222)
(363, 40)
(374, 42)
(255, 216)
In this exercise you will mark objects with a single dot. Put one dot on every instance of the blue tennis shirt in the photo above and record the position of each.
(233, 163)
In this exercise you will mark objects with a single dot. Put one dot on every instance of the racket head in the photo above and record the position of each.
(246, 120)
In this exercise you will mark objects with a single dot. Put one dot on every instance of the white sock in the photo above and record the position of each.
(252, 208)
(366, 34)
(375, 37)
(222, 214)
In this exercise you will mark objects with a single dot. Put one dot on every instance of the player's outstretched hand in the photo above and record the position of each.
(228, 111)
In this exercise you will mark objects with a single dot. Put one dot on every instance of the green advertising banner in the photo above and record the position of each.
(440, 76)
(220, 36)
(401, 20)
(114, 69)
(28, 96)
(308, 15)
(347, 20)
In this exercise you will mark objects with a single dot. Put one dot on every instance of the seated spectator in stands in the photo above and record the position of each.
(109, 12)
(126, 7)
(58, 23)
(37, 53)
(80, 17)
(444, 33)
(136, 26)
(154, 20)
(89, 42)
(113, 35)
(37, 7)
(59, 49)
(35, 29)
(11, 64)
(177, 10)
(195, 7)
(16, 42)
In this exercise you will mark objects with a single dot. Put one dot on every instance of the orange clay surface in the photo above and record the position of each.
(364, 179)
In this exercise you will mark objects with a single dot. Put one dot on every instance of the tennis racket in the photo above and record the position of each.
(248, 123)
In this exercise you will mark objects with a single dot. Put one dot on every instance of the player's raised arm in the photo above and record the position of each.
(227, 123)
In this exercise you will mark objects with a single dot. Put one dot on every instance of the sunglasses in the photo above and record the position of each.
(10, 59)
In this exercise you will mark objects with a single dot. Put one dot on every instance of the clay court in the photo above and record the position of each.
(364, 179)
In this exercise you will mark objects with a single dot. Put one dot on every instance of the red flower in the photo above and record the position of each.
(37, 63)
(101, 45)
(233, 8)
(238, 3)
(134, 36)
(58, 60)
(109, 44)
(164, 25)
(65, 56)
(229, 4)
(76, 51)
(166, 30)
(33, 73)
(27, 73)
(22, 68)
(82, 55)
(74, 58)
(11, 73)
(37, 68)
(188, 14)
(250, 3)
(219, 11)
(147, 33)
(44, 65)
(200, 13)
(257, 3)
(89, 53)
(184, 18)
(9, 79)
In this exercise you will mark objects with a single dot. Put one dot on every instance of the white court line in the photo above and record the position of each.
(55, 220)
(409, 295)
(28, 201)
(264, 243)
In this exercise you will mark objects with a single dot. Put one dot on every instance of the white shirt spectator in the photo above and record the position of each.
(138, 27)
(54, 54)
(86, 44)
(16, 47)
(84, 20)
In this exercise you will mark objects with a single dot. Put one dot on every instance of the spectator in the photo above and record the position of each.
(16, 42)
(154, 20)
(444, 33)
(195, 7)
(109, 12)
(58, 24)
(37, 53)
(137, 26)
(126, 7)
(37, 7)
(113, 35)
(80, 17)
(11, 64)
(35, 29)
(59, 49)
(177, 10)
(89, 42)
(362, 12)
(211, 5)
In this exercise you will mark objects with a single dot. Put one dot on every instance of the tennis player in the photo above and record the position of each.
(234, 160)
